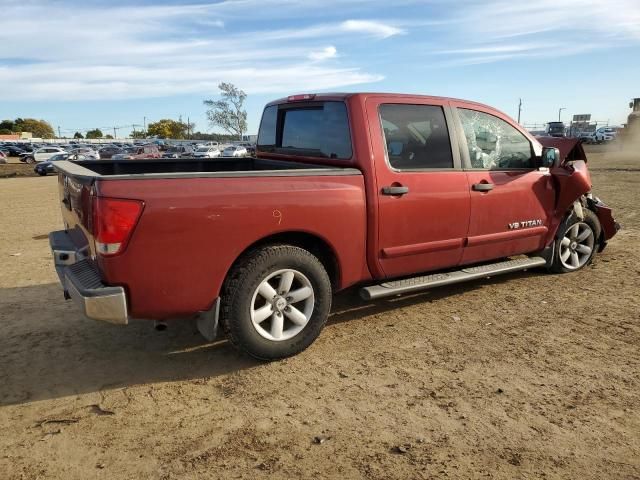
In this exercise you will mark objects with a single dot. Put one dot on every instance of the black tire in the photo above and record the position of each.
(591, 220)
(42, 174)
(238, 296)
(30, 160)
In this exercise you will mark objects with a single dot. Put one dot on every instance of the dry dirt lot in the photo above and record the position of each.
(527, 376)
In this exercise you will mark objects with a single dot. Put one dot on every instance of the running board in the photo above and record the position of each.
(466, 274)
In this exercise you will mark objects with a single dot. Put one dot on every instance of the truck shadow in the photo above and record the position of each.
(48, 350)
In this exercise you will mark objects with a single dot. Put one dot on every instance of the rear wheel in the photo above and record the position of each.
(276, 301)
(30, 160)
(577, 243)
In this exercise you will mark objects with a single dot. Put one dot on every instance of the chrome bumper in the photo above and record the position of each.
(83, 285)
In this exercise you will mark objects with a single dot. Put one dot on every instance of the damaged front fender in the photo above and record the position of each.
(573, 186)
(609, 226)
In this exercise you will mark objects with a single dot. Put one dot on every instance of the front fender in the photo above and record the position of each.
(572, 181)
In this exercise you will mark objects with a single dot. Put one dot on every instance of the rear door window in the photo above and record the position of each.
(319, 129)
(416, 136)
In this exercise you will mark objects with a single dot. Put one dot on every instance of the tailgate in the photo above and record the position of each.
(75, 203)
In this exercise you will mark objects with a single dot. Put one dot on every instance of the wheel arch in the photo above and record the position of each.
(311, 242)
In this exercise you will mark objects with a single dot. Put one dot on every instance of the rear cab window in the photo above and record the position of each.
(310, 129)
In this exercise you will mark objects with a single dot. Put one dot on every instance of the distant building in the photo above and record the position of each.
(17, 136)
(13, 136)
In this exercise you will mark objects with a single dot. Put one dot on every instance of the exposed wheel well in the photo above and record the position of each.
(312, 243)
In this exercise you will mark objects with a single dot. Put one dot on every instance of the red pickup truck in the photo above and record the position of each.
(396, 193)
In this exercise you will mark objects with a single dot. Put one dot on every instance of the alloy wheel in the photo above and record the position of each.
(577, 246)
(282, 305)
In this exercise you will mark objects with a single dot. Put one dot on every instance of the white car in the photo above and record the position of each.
(90, 153)
(603, 134)
(206, 152)
(43, 154)
(234, 151)
(209, 144)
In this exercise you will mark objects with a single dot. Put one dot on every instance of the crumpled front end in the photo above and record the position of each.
(573, 182)
(605, 215)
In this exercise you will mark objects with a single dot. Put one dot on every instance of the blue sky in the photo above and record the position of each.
(85, 64)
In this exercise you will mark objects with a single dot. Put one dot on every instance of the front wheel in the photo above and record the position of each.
(276, 301)
(30, 160)
(577, 243)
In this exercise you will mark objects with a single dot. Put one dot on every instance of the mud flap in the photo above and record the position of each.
(207, 322)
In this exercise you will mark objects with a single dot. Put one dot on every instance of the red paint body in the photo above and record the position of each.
(192, 230)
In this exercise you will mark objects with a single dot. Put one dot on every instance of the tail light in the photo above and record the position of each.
(113, 222)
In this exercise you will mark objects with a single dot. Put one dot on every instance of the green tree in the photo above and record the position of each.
(95, 133)
(77, 135)
(39, 128)
(7, 125)
(109, 137)
(138, 134)
(5, 131)
(167, 128)
(228, 112)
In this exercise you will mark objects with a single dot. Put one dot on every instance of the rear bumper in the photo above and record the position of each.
(82, 283)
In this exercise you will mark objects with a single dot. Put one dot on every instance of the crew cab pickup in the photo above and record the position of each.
(394, 193)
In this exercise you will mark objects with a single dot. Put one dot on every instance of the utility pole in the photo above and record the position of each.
(59, 135)
(560, 112)
(115, 132)
(519, 109)
(144, 124)
(188, 129)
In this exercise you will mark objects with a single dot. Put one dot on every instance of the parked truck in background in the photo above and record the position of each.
(555, 129)
(632, 129)
(395, 193)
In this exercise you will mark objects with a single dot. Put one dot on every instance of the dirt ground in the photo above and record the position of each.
(526, 376)
(14, 168)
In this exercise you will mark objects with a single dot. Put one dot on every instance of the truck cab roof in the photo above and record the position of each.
(341, 96)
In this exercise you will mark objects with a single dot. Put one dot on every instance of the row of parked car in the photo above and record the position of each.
(601, 135)
(44, 156)
(559, 129)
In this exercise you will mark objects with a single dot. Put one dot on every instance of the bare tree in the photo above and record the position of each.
(228, 113)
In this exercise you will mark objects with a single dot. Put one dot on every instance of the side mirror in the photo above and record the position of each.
(550, 157)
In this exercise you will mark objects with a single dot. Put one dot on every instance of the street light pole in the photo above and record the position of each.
(560, 112)
(519, 109)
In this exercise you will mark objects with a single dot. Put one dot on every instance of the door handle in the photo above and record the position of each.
(482, 187)
(395, 190)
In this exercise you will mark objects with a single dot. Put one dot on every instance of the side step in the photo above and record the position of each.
(425, 282)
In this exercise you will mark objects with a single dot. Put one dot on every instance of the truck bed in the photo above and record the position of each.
(190, 167)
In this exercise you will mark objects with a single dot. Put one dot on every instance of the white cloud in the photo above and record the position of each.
(324, 54)
(70, 52)
(499, 30)
(376, 29)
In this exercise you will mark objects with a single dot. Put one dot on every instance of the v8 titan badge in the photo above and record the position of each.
(525, 224)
